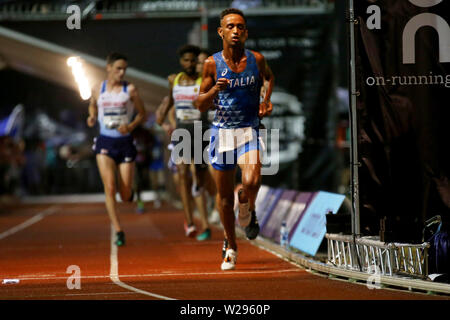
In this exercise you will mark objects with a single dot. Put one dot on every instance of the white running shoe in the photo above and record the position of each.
(190, 231)
(229, 262)
(215, 216)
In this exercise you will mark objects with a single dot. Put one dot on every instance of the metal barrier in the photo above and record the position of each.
(369, 254)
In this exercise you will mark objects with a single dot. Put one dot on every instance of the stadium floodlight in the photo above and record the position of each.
(80, 77)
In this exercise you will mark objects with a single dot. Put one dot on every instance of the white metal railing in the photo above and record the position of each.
(369, 254)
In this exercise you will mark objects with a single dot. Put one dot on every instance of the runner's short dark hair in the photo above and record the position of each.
(232, 11)
(189, 48)
(114, 56)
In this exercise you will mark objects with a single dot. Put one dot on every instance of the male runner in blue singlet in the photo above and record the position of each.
(232, 81)
(113, 107)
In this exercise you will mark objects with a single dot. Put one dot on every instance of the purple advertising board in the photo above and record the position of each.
(266, 208)
(271, 228)
(297, 210)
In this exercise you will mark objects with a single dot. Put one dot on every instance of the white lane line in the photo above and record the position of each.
(164, 274)
(96, 294)
(114, 272)
(67, 295)
(36, 218)
(81, 198)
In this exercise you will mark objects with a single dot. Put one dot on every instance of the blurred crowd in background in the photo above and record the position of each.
(40, 155)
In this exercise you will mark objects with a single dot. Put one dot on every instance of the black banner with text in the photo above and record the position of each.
(403, 76)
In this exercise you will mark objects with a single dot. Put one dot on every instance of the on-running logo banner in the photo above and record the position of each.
(426, 20)
(410, 80)
(439, 24)
(410, 43)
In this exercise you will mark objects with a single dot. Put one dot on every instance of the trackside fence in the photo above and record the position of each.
(369, 254)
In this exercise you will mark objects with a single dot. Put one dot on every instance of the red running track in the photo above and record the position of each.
(39, 242)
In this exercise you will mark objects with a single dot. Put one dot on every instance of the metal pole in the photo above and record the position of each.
(354, 128)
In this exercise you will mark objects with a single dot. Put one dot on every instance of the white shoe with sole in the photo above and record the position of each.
(229, 262)
(215, 216)
(190, 231)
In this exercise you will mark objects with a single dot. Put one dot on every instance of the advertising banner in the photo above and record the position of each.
(271, 228)
(265, 209)
(261, 195)
(402, 51)
(297, 210)
(311, 228)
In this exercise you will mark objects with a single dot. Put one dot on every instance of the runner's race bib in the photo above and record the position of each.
(188, 114)
(114, 117)
(230, 139)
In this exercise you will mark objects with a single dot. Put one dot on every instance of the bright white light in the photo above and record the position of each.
(80, 78)
(71, 61)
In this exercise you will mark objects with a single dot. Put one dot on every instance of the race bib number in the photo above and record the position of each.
(188, 114)
(114, 117)
(230, 139)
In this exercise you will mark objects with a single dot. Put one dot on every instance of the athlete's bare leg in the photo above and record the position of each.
(225, 203)
(185, 191)
(210, 185)
(250, 165)
(107, 168)
(200, 201)
(176, 181)
(126, 174)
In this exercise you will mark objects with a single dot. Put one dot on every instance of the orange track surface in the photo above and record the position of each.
(157, 259)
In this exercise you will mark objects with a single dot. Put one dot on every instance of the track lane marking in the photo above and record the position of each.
(67, 295)
(165, 274)
(114, 272)
(36, 218)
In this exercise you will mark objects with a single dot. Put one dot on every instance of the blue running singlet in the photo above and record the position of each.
(238, 105)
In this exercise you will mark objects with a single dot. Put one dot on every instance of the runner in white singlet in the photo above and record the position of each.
(184, 89)
(113, 103)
